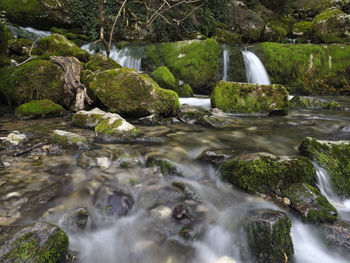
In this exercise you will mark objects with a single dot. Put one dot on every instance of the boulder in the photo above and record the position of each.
(184, 91)
(268, 236)
(14, 140)
(310, 203)
(100, 62)
(333, 156)
(164, 78)
(41, 242)
(58, 45)
(250, 98)
(69, 139)
(267, 173)
(127, 92)
(312, 103)
(38, 108)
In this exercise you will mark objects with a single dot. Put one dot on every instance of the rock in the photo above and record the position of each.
(14, 140)
(184, 91)
(95, 158)
(112, 201)
(100, 62)
(4, 58)
(88, 119)
(129, 93)
(273, 33)
(19, 49)
(267, 173)
(164, 78)
(312, 103)
(193, 232)
(186, 189)
(337, 235)
(166, 167)
(213, 157)
(75, 221)
(333, 105)
(69, 139)
(334, 157)
(189, 113)
(310, 203)
(36, 79)
(181, 211)
(218, 122)
(41, 242)
(58, 45)
(303, 30)
(250, 98)
(38, 108)
(268, 235)
(321, 69)
(154, 119)
(286, 201)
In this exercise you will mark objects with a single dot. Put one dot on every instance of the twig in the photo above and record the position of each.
(30, 54)
(35, 146)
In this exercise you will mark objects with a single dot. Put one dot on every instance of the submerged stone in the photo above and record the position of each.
(218, 122)
(41, 242)
(75, 221)
(38, 108)
(333, 156)
(267, 173)
(337, 235)
(268, 236)
(312, 103)
(215, 158)
(310, 203)
(166, 167)
(237, 97)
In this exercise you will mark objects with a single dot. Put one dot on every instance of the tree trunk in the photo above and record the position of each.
(74, 90)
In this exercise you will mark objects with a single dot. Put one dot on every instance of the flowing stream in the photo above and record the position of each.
(226, 61)
(28, 32)
(255, 70)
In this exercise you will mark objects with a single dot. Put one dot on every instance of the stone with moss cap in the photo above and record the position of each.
(100, 62)
(267, 173)
(268, 235)
(164, 78)
(312, 103)
(310, 203)
(38, 108)
(125, 91)
(334, 156)
(166, 167)
(39, 243)
(58, 45)
(69, 140)
(238, 97)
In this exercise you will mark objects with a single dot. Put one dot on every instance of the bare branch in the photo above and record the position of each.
(114, 24)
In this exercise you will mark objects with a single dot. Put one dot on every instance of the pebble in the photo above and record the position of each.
(286, 201)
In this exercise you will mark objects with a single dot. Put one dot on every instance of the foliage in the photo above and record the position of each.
(2, 17)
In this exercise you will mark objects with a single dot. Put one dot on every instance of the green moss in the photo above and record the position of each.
(127, 92)
(333, 105)
(307, 69)
(303, 29)
(37, 108)
(19, 49)
(165, 166)
(58, 45)
(86, 120)
(227, 36)
(164, 78)
(101, 62)
(184, 91)
(310, 203)
(152, 58)
(240, 97)
(265, 174)
(106, 128)
(334, 158)
(4, 59)
(69, 140)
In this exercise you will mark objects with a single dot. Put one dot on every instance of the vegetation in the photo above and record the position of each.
(38, 108)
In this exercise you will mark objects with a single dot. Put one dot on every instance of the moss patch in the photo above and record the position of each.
(4, 59)
(101, 62)
(164, 78)
(37, 108)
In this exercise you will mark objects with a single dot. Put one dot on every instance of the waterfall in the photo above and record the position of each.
(28, 32)
(129, 57)
(226, 55)
(255, 70)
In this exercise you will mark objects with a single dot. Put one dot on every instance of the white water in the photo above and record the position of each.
(255, 70)
(28, 32)
(123, 56)
(226, 55)
(196, 102)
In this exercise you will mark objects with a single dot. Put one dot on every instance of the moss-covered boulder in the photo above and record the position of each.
(58, 45)
(267, 173)
(69, 140)
(312, 103)
(195, 62)
(41, 242)
(4, 59)
(250, 98)
(268, 236)
(334, 156)
(34, 80)
(129, 93)
(164, 78)
(100, 62)
(307, 69)
(38, 108)
(184, 91)
(310, 203)
(273, 33)
(19, 49)
(303, 30)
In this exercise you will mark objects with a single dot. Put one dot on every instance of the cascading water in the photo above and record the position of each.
(125, 57)
(255, 70)
(226, 57)
(28, 32)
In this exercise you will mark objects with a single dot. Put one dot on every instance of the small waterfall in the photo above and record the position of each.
(226, 56)
(129, 57)
(255, 70)
(28, 32)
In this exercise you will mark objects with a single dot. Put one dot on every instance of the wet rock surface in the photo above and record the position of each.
(337, 235)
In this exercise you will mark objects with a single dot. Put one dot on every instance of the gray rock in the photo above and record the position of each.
(75, 221)
(337, 235)
(14, 140)
(69, 139)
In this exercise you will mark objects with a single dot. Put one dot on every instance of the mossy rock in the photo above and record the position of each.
(4, 59)
(267, 173)
(100, 62)
(164, 78)
(250, 98)
(58, 45)
(40, 243)
(268, 235)
(88, 119)
(125, 91)
(334, 156)
(19, 49)
(307, 69)
(34, 80)
(166, 167)
(312, 103)
(236, 69)
(333, 105)
(184, 91)
(195, 62)
(38, 108)
(69, 140)
(310, 203)
(274, 33)
(227, 36)
(303, 29)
